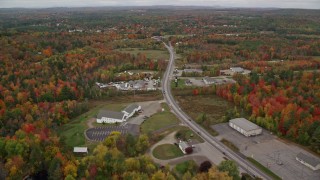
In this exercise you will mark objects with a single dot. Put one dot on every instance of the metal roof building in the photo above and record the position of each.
(245, 127)
(311, 162)
(80, 150)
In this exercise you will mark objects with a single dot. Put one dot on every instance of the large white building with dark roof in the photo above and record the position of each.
(131, 109)
(106, 116)
(245, 127)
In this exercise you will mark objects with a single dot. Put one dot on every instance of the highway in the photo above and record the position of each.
(166, 81)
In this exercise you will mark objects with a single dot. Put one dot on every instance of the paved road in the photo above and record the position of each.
(168, 76)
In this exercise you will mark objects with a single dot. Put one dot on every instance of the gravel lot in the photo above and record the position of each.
(270, 151)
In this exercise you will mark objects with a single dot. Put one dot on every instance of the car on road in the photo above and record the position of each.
(164, 92)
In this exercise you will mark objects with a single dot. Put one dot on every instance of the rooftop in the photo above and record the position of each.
(183, 144)
(237, 69)
(129, 109)
(308, 159)
(110, 114)
(80, 149)
(245, 124)
(209, 79)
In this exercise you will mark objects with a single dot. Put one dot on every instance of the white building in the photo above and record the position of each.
(183, 146)
(311, 162)
(106, 116)
(131, 109)
(245, 127)
(234, 70)
(80, 150)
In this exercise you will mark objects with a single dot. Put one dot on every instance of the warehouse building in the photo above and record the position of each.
(245, 127)
(311, 162)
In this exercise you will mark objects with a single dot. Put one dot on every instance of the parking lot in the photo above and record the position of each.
(100, 133)
(276, 154)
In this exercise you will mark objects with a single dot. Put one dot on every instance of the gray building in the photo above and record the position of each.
(311, 162)
(106, 116)
(208, 80)
(245, 127)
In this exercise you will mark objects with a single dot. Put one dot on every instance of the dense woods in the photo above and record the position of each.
(50, 60)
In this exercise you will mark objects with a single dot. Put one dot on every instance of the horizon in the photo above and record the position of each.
(36, 4)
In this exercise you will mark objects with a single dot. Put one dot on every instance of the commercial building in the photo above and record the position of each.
(131, 109)
(208, 80)
(80, 150)
(106, 116)
(245, 127)
(311, 162)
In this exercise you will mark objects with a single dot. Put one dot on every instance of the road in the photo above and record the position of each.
(166, 81)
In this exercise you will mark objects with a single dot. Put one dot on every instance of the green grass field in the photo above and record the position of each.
(151, 54)
(167, 151)
(159, 120)
(73, 132)
(185, 133)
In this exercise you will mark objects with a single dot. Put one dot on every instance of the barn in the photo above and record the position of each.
(245, 127)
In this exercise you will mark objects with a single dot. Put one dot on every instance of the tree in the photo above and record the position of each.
(205, 166)
(230, 167)
(189, 150)
(142, 144)
(66, 94)
(315, 140)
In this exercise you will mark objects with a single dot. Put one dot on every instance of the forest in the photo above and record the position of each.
(50, 60)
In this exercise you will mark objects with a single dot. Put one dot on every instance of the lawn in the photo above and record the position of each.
(167, 151)
(159, 121)
(185, 133)
(73, 132)
(263, 168)
(151, 54)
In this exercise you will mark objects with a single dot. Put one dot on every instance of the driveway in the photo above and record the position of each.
(202, 152)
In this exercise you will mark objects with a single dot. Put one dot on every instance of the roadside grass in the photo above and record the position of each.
(213, 107)
(167, 151)
(230, 145)
(183, 167)
(159, 120)
(181, 84)
(263, 168)
(185, 133)
(151, 54)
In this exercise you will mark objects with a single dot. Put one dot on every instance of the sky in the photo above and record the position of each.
(303, 4)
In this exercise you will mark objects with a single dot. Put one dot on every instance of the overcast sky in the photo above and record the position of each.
(305, 4)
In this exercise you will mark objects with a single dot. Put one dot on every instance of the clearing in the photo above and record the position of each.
(159, 121)
(167, 151)
(150, 54)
